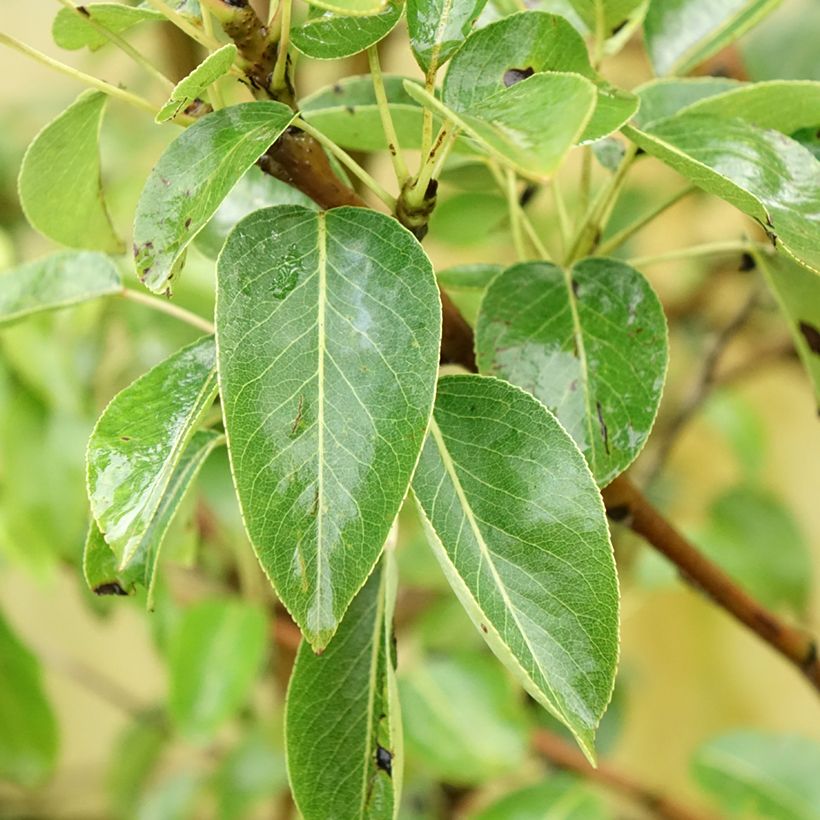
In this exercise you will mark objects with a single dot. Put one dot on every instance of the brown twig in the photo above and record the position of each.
(565, 756)
(626, 503)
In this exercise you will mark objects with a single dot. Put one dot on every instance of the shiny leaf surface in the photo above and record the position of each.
(679, 34)
(193, 176)
(140, 439)
(342, 706)
(54, 282)
(518, 526)
(69, 208)
(438, 27)
(589, 343)
(352, 8)
(614, 13)
(71, 31)
(328, 330)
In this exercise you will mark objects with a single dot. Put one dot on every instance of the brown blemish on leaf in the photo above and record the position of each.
(84, 11)
(812, 336)
(604, 431)
(515, 75)
(110, 588)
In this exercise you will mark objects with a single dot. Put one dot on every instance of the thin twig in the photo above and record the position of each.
(211, 43)
(737, 246)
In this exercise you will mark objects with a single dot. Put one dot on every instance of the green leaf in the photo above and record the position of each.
(193, 176)
(468, 218)
(28, 741)
(138, 442)
(517, 523)
(136, 756)
(463, 720)
(530, 126)
(465, 285)
(751, 772)
(347, 113)
(754, 537)
(614, 13)
(172, 798)
(329, 36)
(99, 561)
(60, 186)
(342, 706)
(667, 96)
(500, 55)
(589, 343)
(561, 796)
(798, 292)
(57, 281)
(328, 328)
(763, 173)
(71, 31)
(215, 65)
(438, 27)
(680, 34)
(351, 8)
(213, 660)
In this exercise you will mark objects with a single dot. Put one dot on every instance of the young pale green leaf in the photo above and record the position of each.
(347, 113)
(753, 536)
(518, 526)
(562, 797)
(138, 442)
(99, 561)
(328, 328)
(60, 186)
(57, 281)
(679, 34)
(351, 8)
(762, 172)
(213, 659)
(192, 177)
(589, 343)
(759, 774)
(215, 65)
(342, 706)
(438, 27)
(502, 54)
(71, 31)
(329, 36)
(798, 292)
(468, 277)
(614, 14)
(530, 126)
(255, 190)
(28, 740)
(463, 720)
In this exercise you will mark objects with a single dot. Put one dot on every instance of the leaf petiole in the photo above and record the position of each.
(393, 146)
(165, 306)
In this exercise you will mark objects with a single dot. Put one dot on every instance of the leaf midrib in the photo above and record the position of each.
(321, 311)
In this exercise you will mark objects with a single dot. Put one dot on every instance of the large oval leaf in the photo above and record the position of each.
(342, 706)
(139, 440)
(328, 328)
(71, 31)
(519, 528)
(589, 343)
(68, 207)
(192, 177)
(438, 27)
(562, 795)
(56, 281)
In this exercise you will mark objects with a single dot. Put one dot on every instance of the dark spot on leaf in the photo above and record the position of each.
(640, 152)
(165, 181)
(337, 89)
(484, 628)
(350, 110)
(84, 11)
(573, 385)
(812, 336)
(574, 285)
(187, 223)
(604, 431)
(515, 75)
(620, 25)
(384, 760)
(111, 588)
(527, 194)
(618, 513)
(747, 262)
(125, 438)
(297, 422)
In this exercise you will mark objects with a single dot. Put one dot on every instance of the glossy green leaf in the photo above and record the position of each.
(754, 537)
(531, 125)
(468, 277)
(215, 65)
(28, 740)
(664, 97)
(140, 439)
(57, 281)
(560, 796)
(347, 113)
(798, 292)
(342, 706)
(765, 174)
(614, 13)
(438, 27)
(518, 526)
(196, 172)
(99, 561)
(329, 36)
(679, 34)
(352, 8)
(468, 218)
(589, 343)
(328, 330)
(213, 660)
(60, 185)
(71, 31)
(752, 773)
(463, 720)
(502, 54)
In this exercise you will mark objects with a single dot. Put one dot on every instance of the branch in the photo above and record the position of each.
(558, 752)
(625, 503)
